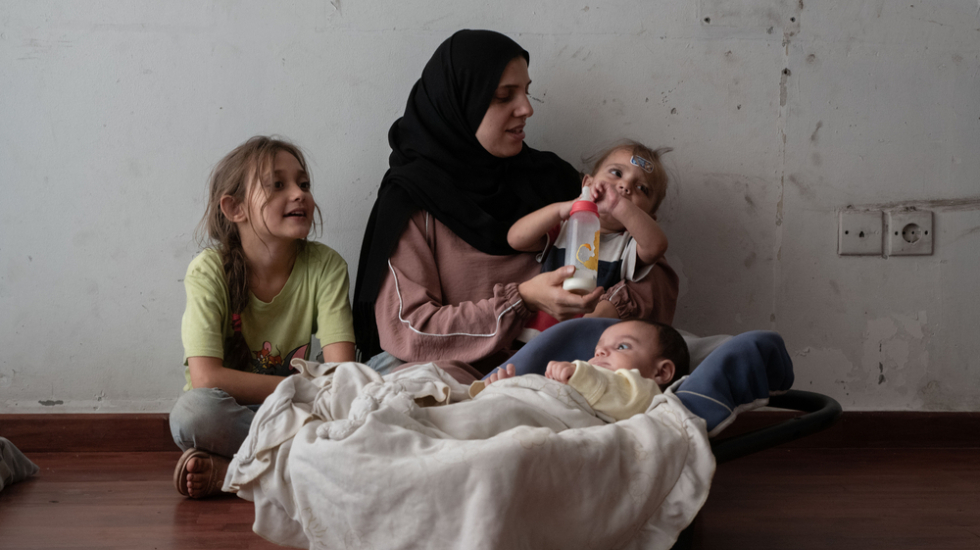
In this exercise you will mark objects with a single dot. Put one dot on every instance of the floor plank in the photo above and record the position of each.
(802, 498)
(845, 498)
(118, 501)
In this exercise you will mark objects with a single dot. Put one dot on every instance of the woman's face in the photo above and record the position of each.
(501, 132)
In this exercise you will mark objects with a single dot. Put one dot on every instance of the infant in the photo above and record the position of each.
(634, 361)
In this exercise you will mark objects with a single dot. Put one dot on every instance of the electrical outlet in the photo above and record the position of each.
(910, 233)
(859, 234)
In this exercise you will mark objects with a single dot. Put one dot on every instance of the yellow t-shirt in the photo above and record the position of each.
(313, 301)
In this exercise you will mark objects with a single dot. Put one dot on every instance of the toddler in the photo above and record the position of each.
(628, 183)
(634, 361)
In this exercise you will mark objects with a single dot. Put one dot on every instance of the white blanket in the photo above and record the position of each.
(338, 457)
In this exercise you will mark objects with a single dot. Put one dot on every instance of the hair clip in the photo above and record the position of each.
(643, 163)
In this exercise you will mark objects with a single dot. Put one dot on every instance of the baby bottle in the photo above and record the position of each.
(583, 244)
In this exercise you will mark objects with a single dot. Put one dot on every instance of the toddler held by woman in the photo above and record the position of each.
(628, 184)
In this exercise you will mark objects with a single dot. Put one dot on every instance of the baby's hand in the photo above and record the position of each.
(501, 374)
(565, 209)
(560, 371)
(605, 197)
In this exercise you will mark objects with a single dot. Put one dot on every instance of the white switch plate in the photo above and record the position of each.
(910, 233)
(859, 233)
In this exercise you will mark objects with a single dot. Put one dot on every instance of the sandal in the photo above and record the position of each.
(214, 482)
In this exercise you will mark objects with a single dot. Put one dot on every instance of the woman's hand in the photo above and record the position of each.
(544, 292)
(559, 371)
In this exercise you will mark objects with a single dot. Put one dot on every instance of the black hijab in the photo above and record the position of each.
(438, 165)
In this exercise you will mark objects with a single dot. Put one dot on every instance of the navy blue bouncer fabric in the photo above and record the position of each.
(738, 375)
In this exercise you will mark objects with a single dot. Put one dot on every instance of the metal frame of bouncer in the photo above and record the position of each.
(819, 413)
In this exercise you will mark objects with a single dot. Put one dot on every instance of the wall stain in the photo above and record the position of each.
(813, 136)
(931, 389)
(782, 87)
(779, 205)
(964, 234)
(834, 287)
(965, 203)
(51, 403)
(804, 189)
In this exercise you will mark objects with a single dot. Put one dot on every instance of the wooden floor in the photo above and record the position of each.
(778, 499)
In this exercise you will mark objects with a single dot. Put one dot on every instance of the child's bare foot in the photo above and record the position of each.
(199, 474)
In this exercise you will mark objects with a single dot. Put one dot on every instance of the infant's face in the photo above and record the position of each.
(628, 345)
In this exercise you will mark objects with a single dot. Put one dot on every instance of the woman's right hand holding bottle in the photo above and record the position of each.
(544, 292)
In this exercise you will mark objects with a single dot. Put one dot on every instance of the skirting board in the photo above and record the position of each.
(151, 432)
(40, 433)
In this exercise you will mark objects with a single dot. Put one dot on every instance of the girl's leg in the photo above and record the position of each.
(210, 420)
(384, 363)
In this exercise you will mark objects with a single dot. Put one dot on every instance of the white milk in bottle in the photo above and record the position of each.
(582, 231)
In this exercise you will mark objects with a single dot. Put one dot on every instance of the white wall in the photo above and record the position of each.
(113, 112)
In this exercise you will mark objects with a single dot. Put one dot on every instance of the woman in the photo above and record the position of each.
(436, 279)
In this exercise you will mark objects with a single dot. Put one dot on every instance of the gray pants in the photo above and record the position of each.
(210, 420)
(384, 363)
(14, 466)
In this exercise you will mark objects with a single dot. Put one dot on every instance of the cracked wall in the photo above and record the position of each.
(781, 113)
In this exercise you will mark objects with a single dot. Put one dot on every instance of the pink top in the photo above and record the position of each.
(442, 299)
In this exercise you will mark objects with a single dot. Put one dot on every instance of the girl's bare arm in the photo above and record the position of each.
(338, 352)
(248, 388)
